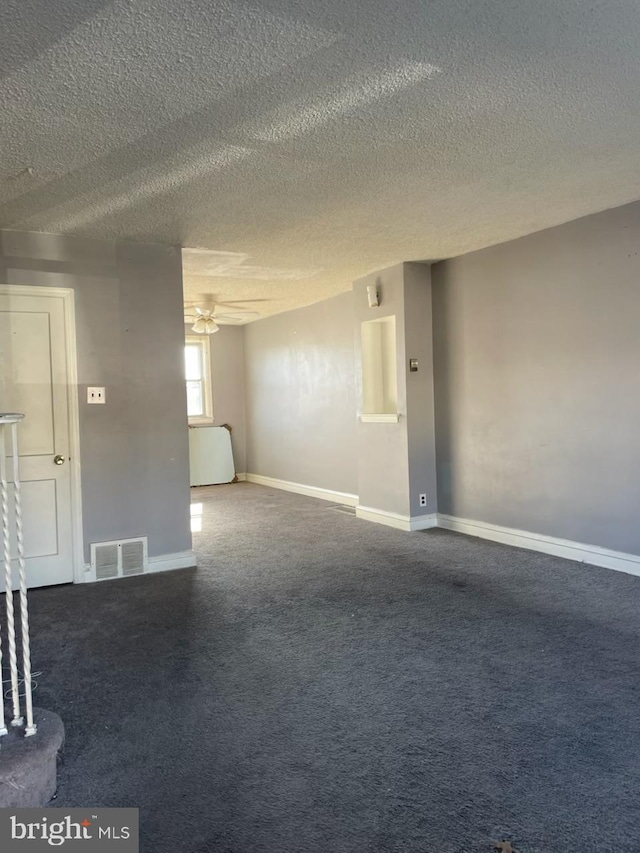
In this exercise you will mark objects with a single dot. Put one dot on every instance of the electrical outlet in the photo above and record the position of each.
(96, 395)
(423, 500)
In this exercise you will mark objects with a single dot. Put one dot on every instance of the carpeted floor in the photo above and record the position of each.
(324, 684)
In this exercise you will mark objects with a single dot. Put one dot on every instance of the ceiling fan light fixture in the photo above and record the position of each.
(205, 326)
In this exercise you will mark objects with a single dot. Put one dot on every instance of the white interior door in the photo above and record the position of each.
(34, 380)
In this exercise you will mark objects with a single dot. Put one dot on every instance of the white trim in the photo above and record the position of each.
(241, 477)
(578, 551)
(380, 419)
(423, 522)
(300, 489)
(74, 430)
(203, 341)
(394, 519)
(569, 550)
(68, 302)
(381, 516)
(169, 562)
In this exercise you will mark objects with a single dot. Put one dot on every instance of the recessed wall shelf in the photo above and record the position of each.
(390, 418)
(379, 371)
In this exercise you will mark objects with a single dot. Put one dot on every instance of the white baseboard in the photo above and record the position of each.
(423, 522)
(394, 519)
(578, 551)
(168, 562)
(241, 477)
(300, 489)
(569, 550)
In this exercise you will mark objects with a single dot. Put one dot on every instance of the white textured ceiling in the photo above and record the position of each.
(307, 143)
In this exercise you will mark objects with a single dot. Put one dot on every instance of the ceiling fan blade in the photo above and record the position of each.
(210, 299)
(242, 302)
(208, 310)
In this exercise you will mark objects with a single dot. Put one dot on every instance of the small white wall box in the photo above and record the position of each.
(379, 374)
(373, 295)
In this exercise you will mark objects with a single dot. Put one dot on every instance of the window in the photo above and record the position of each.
(197, 373)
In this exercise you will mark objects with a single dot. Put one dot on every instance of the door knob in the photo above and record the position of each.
(58, 460)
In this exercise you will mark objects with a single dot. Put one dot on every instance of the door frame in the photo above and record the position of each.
(67, 294)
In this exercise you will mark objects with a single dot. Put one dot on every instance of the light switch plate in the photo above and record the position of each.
(96, 395)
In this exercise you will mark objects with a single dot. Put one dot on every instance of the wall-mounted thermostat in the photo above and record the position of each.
(413, 365)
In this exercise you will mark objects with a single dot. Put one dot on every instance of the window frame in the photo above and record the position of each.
(202, 341)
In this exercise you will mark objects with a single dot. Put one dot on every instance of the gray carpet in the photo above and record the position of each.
(325, 684)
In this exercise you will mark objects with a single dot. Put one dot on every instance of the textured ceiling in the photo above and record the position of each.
(307, 143)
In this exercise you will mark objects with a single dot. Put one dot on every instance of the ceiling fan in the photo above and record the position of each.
(205, 319)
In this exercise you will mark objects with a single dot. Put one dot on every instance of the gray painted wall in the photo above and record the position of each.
(226, 348)
(300, 396)
(537, 378)
(420, 394)
(227, 381)
(397, 460)
(130, 338)
(383, 472)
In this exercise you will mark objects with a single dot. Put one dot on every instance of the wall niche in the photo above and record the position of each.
(379, 371)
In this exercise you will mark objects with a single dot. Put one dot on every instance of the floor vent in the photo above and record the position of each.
(350, 510)
(119, 559)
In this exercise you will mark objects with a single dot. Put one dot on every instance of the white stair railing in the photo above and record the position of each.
(9, 428)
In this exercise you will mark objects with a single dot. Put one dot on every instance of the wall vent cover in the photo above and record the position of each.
(119, 559)
(349, 510)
